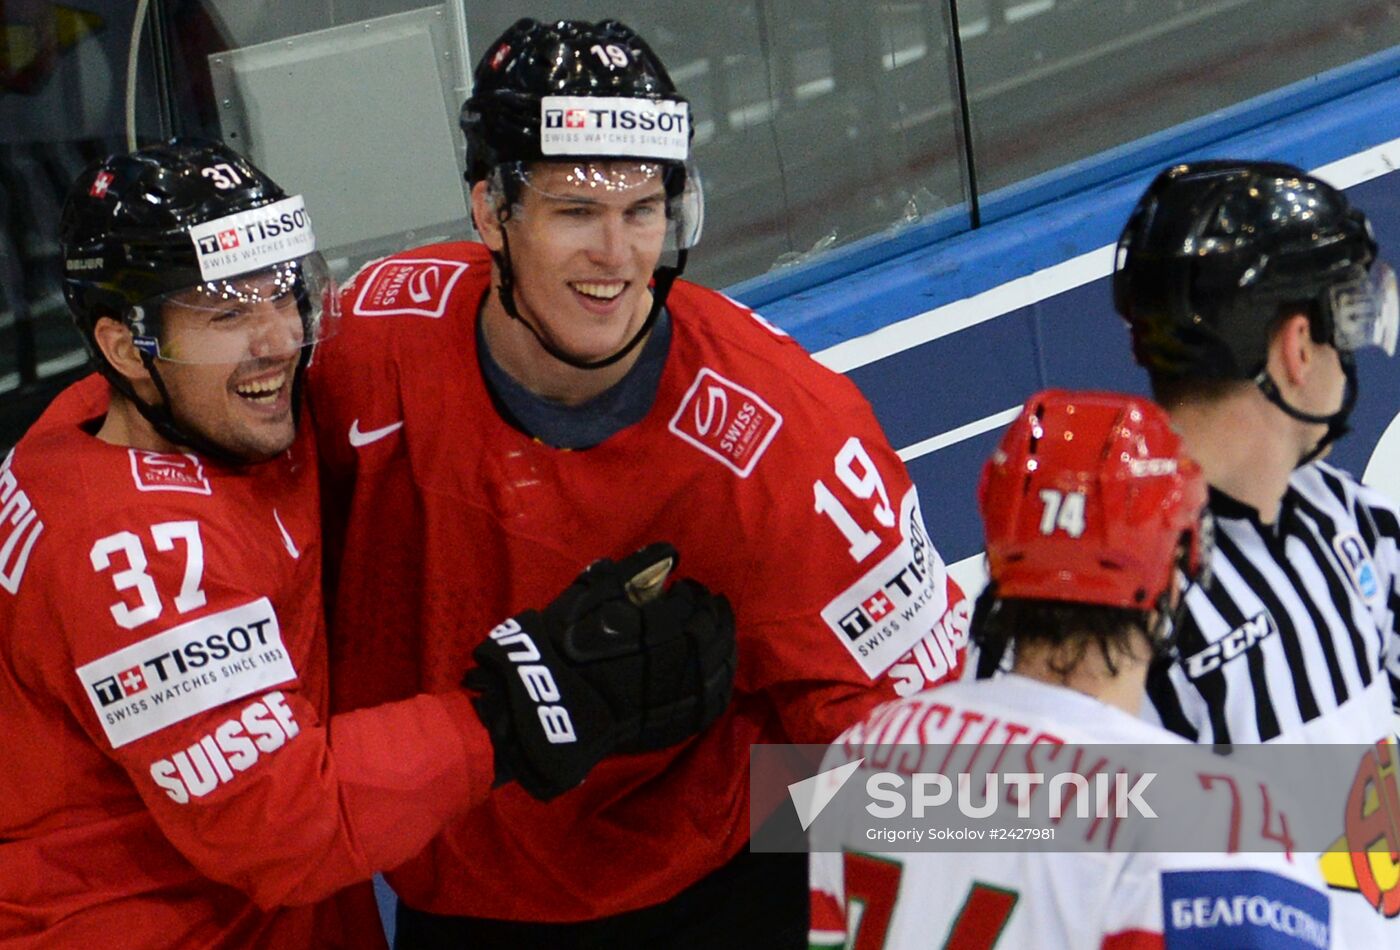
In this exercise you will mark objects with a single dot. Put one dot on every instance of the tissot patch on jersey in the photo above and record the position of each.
(418, 287)
(1351, 551)
(1242, 909)
(166, 471)
(726, 421)
(879, 617)
(184, 671)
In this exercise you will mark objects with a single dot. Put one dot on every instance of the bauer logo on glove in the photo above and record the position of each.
(617, 663)
(539, 682)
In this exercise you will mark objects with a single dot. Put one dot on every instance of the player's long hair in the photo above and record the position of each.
(1000, 624)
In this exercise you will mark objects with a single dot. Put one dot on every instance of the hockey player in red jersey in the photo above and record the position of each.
(495, 415)
(171, 776)
(1094, 525)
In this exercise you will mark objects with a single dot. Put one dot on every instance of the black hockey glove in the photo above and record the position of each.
(616, 663)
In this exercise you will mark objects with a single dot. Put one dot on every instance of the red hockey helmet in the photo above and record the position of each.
(1087, 499)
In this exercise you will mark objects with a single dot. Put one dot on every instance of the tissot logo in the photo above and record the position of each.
(896, 602)
(902, 584)
(247, 240)
(614, 126)
(146, 686)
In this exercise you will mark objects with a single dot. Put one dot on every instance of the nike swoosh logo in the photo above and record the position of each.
(359, 438)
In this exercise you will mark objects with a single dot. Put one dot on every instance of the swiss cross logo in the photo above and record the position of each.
(420, 287)
(575, 119)
(132, 681)
(228, 239)
(160, 471)
(100, 184)
(878, 605)
(726, 421)
(500, 55)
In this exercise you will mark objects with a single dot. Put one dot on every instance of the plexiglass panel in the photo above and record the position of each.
(1054, 81)
(816, 122)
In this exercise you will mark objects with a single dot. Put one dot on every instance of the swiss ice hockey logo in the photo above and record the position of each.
(420, 287)
(726, 421)
(165, 471)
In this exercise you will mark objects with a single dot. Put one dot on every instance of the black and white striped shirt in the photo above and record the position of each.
(1297, 639)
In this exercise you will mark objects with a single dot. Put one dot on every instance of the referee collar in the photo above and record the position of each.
(1223, 505)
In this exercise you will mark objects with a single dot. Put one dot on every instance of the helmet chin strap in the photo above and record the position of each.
(163, 420)
(1336, 422)
(664, 277)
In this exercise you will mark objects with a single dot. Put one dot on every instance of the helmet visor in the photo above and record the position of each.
(270, 313)
(657, 200)
(1366, 311)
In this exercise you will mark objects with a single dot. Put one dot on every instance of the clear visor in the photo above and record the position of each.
(653, 197)
(1366, 311)
(270, 313)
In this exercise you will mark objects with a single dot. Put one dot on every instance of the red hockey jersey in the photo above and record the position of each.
(168, 774)
(768, 473)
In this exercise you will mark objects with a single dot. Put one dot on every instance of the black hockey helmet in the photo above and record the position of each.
(586, 94)
(1215, 249)
(193, 221)
(507, 120)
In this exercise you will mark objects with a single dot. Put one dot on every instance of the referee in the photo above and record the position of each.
(1248, 287)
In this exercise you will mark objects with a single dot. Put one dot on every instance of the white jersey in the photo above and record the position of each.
(1108, 899)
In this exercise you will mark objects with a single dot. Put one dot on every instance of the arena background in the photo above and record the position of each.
(925, 194)
(928, 209)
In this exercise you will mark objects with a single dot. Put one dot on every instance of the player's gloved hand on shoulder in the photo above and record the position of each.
(617, 663)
